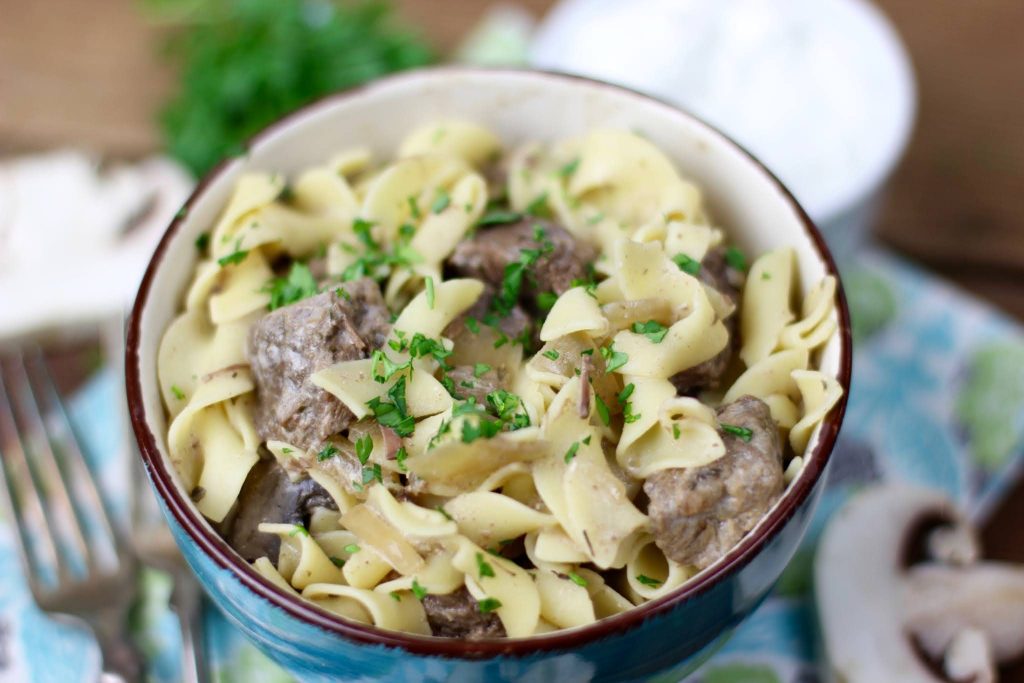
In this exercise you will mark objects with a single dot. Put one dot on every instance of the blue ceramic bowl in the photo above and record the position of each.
(670, 636)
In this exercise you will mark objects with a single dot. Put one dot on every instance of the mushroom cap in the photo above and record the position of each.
(859, 581)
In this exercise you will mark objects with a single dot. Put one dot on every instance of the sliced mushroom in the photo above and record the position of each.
(902, 594)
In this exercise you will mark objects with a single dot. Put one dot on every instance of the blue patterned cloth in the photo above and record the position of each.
(937, 399)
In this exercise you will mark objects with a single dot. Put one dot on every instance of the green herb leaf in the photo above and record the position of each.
(395, 596)
(586, 440)
(352, 548)
(400, 457)
(499, 218)
(602, 411)
(651, 329)
(481, 369)
(613, 359)
(539, 206)
(230, 88)
(546, 300)
(337, 561)
(299, 284)
(299, 530)
(441, 201)
(418, 591)
(571, 453)
(551, 353)
(626, 392)
(488, 605)
(483, 567)
(178, 393)
(384, 368)
(648, 581)
(687, 264)
(203, 241)
(577, 579)
(735, 258)
(440, 508)
(741, 432)
(472, 324)
(327, 452)
(364, 447)
(234, 258)
(429, 282)
(628, 416)
(676, 430)
(569, 168)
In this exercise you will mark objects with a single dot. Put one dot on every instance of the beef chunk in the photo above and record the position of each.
(716, 272)
(289, 344)
(457, 615)
(485, 256)
(269, 495)
(699, 513)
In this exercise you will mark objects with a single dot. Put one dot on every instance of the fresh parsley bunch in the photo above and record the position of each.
(245, 63)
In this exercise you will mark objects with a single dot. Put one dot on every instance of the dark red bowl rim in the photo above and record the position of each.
(217, 549)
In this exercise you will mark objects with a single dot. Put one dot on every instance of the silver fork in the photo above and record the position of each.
(75, 562)
(155, 547)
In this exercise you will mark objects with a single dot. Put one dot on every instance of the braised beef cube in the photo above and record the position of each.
(289, 344)
(699, 513)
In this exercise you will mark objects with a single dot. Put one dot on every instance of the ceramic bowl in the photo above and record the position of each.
(671, 635)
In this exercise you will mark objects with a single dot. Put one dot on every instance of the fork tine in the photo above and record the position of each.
(62, 432)
(22, 499)
(58, 498)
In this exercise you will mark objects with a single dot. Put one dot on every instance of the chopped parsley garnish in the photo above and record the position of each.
(351, 548)
(481, 369)
(648, 581)
(687, 264)
(235, 257)
(483, 429)
(466, 384)
(551, 353)
(299, 284)
(596, 218)
(488, 605)
(341, 292)
(375, 262)
(483, 567)
(546, 300)
(178, 393)
(400, 457)
(676, 431)
(569, 168)
(539, 206)
(299, 530)
(371, 473)
(602, 411)
(512, 279)
(286, 450)
(327, 452)
(472, 324)
(586, 440)
(394, 414)
(499, 217)
(766, 275)
(504, 403)
(440, 508)
(571, 453)
(384, 368)
(421, 346)
(626, 392)
(203, 241)
(430, 292)
(441, 201)
(337, 561)
(577, 579)
(741, 432)
(414, 209)
(588, 283)
(613, 359)
(364, 446)
(628, 415)
(395, 596)
(363, 230)
(735, 258)
(468, 407)
(446, 427)
(651, 329)
(418, 591)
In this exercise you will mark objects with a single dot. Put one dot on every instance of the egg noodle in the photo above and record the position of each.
(532, 502)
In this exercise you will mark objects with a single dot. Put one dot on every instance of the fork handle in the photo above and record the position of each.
(121, 661)
(187, 599)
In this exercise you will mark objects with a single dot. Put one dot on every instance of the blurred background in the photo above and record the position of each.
(109, 109)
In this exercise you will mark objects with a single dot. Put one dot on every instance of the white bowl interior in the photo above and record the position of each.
(519, 106)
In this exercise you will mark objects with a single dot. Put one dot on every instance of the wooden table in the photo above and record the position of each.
(85, 73)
